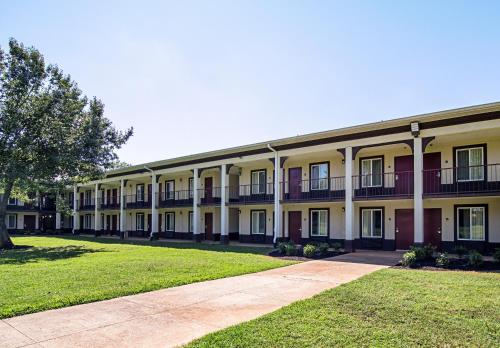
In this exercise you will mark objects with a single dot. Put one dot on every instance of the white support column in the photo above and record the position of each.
(224, 213)
(196, 209)
(123, 229)
(277, 196)
(418, 205)
(75, 210)
(154, 211)
(97, 220)
(349, 206)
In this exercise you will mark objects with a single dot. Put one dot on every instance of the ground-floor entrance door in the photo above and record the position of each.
(404, 228)
(29, 222)
(209, 224)
(295, 226)
(114, 223)
(432, 226)
(108, 223)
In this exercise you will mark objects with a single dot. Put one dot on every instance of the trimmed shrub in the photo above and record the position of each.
(282, 247)
(460, 250)
(475, 259)
(310, 250)
(496, 255)
(323, 248)
(291, 249)
(423, 253)
(336, 246)
(442, 260)
(409, 259)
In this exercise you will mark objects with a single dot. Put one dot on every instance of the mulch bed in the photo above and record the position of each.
(455, 265)
(277, 254)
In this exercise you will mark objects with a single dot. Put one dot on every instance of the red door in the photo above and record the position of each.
(108, 224)
(29, 222)
(294, 183)
(114, 223)
(208, 190)
(82, 201)
(115, 196)
(404, 228)
(149, 200)
(432, 226)
(295, 226)
(403, 174)
(432, 172)
(208, 226)
(159, 223)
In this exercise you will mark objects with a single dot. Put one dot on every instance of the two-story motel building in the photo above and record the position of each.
(432, 178)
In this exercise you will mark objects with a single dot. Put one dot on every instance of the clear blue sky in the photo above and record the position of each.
(195, 76)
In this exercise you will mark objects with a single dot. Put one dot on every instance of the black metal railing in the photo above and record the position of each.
(86, 204)
(396, 184)
(327, 189)
(180, 198)
(210, 195)
(250, 194)
(137, 201)
(112, 202)
(470, 180)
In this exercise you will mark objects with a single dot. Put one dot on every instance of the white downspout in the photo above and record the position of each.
(277, 212)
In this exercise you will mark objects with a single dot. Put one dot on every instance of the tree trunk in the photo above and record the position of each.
(5, 241)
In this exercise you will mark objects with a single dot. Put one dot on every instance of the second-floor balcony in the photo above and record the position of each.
(327, 189)
(250, 194)
(209, 195)
(137, 201)
(383, 185)
(182, 198)
(112, 203)
(462, 181)
(86, 204)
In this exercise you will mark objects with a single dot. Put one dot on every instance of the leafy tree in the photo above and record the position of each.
(51, 135)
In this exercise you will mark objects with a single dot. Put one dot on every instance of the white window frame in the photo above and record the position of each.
(319, 183)
(259, 214)
(171, 220)
(372, 225)
(12, 201)
(191, 187)
(169, 189)
(470, 223)
(190, 222)
(8, 217)
(87, 198)
(367, 178)
(320, 212)
(474, 168)
(139, 217)
(87, 222)
(256, 184)
(139, 193)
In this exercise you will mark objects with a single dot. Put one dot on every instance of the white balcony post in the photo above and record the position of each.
(418, 206)
(123, 230)
(196, 209)
(154, 213)
(224, 239)
(349, 207)
(97, 220)
(75, 209)
(277, 195)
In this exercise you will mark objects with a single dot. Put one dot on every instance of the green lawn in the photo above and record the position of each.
(57, 272)
(388, 308)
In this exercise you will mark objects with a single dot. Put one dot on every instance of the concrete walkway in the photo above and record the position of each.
(175, 316)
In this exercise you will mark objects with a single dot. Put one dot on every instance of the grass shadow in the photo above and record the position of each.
(174, 245)
(22, 254)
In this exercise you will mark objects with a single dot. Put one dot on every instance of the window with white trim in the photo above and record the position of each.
(12, 201)
(139, 222)
(258, 182)
(319, 176)
(371, 172)
(190, 222)
(258, 222)
(139, 191)
(169, 222)
(471, 223)
(469, 164)
(88, 198)
(371, 223)
(190, 187)
(87, 222)
(11, 221)
(169, 189)
(319, 223)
